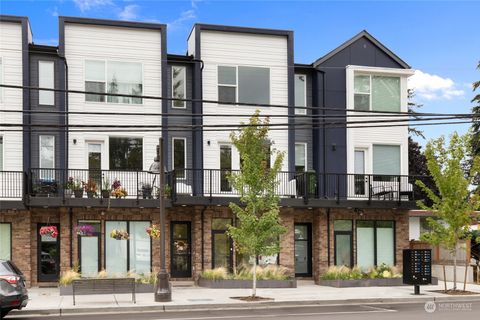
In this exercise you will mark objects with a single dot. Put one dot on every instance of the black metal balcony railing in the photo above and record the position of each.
(84, 183)
(210, 183)
(307, 185)
(11, 185)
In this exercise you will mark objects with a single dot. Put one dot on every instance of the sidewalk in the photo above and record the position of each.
(48, 300)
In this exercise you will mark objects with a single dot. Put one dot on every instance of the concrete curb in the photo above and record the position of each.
(243, 305)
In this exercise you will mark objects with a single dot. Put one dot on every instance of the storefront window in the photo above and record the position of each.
(5, 241)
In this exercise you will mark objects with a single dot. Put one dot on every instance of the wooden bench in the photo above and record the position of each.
(103, 286)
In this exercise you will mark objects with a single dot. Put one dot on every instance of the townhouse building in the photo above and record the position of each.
(344, 189)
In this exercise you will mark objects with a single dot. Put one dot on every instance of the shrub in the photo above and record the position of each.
(215, 274)
(147, 278)
(67, 277)
(382, 271)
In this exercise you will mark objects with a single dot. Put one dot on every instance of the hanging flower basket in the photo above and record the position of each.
(153, 231)
(119, 234)
(85, 230)
(51, 231)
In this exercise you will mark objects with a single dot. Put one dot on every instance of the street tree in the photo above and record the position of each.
(454, 204)
(259, 226)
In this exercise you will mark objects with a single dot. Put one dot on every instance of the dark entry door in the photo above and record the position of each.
(180, 246)
(303, 250)
(221, 250)
(48, 255)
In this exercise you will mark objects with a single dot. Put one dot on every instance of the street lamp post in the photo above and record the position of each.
(163, 290)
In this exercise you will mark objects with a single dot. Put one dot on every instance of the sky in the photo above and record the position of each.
(439, 39)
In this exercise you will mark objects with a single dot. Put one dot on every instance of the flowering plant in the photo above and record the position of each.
(85, 230)
(90, 186)
(70, 185)
(153, 231)
(77, 184)
(116, 184)
(119, 234)
(117, 190)
(51, 231)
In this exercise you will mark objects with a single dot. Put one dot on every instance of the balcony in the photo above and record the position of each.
(49, 187)
(60, 187)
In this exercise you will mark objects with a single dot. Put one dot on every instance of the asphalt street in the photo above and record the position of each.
(437, 311)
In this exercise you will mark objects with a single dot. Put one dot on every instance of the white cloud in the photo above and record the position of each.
(85, 5)
(53, 11)
(431, 86)
(130, 12)
(184, 17)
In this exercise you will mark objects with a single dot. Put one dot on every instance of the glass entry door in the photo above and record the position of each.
(95, 163)
(48, 252)
(303, 250)
(222, 249)
(180, 247)
(360, 179)
(89, 247)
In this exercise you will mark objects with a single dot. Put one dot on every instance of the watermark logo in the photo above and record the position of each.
(430, 306)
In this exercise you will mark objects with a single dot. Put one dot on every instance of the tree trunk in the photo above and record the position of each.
(254, 287)
(465, 277)
(444, 276)
(455, 268)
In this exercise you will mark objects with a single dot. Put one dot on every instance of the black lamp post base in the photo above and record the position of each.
(163, 289)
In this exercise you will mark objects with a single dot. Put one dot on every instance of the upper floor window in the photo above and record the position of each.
(47, 156)
(126, 153)
(244, 84)
(1, 79)
(377, 93)
(113, 77)
(178, 86)
(179, 156)
(386, 162)
(46, 79)
(300, 157)
(300, 93)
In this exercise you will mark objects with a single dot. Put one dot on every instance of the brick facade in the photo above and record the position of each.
(25, 235)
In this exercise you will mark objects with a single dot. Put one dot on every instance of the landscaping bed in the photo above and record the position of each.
(245, 284)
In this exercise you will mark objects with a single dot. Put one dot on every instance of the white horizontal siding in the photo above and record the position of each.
(238, 49)
(11, 99)
(90, 42)
(365, 138)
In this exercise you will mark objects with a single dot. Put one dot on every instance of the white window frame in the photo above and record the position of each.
(105, 161)
(237, 87)
(401, 150)
(305, 146)
(228, 85)
(42, 92)
(184, 72)
(302, 111)
(184, 154)
(106, 81)
(40, 150)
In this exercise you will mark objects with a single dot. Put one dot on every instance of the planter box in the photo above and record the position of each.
(392, 282)
(139, 288)
(245, 284)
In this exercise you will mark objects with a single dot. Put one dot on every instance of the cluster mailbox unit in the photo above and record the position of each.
(417, 267)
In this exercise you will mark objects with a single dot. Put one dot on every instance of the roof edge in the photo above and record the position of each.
(113, 23)
(225, 28)
(366, 34)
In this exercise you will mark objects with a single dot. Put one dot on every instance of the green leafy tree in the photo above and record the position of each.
(454, 204)
(476, 118)
(259, 225)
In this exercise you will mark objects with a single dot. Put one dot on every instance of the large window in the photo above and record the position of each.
(126, 153)
(178, 86)
(1, 79)
(47, 156)
(124, 255)
(300, 93)
(343, 242)
(300, 157)
(221, 244)
(386, 161)
(377, 93)
(46, 79)
(179, 156)
(225, 167)
(5, 241)
(244, 84)
(113, 77)
(375, 243)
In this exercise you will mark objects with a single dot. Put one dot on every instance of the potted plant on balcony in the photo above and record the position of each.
(106, 188)
(69, 187)
(147, 191)
(78, 188)
(90, 188)
(117, 190)
(167, 191)
(119, 234)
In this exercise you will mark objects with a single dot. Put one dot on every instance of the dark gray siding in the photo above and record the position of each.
(184, 117)
(362, 52)
(50, 121)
